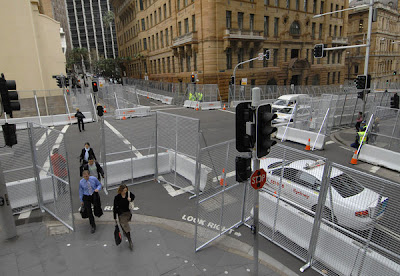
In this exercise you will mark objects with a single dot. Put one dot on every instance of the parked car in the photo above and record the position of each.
(303, 113)
(354, 205)
(289, 100)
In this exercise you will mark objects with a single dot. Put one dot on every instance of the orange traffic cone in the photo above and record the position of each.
(197, 107)
(308, 145)
(354, 158)
(123, 117)
(148, 96)
(221, 181)
(224, 108)
(105, 110)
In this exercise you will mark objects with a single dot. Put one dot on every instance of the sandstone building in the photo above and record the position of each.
(384, 61)
(170, 39)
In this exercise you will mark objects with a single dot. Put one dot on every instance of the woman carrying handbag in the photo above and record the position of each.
(123, 205)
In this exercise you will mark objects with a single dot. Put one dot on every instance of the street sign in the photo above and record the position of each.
(258, 179)
(244, 81)
(260, 56)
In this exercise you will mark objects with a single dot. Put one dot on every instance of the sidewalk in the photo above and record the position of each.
(161, 247)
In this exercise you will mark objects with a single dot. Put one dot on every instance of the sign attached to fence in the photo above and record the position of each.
(244, 81)
(258, 179)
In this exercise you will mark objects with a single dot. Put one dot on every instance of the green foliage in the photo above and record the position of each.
(110, 67)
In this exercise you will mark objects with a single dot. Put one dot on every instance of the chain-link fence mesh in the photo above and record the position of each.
(52, 173)
(384, 131)
(18, 173)
(220, 198)
(179, 137)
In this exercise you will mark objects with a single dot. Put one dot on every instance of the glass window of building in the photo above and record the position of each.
(193, 23)
(228, 19)
(315, 6)
(165, 11)
(295, 28)
(276, 26)
(251, 22)
(266, 26)
(313, 30)
(240, 20)
(143, 25)
(322, 7)
(229, 58)
(305, 5)
(186, 25)
(297, 5)
(179, 28)
(166, 37)
(144, 44)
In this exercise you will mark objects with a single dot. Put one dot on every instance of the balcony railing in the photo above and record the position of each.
(340, 40)
(182, 40)
(243, 34)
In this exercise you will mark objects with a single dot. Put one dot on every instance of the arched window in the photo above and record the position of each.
(295, 28)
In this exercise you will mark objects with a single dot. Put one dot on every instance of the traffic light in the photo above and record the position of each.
(193, 78)
(10, 134)
(319, 50)
(9, 98)
(361, 81)
(243, 168)
(267, 54)
(100, 110)
(244, 127)
(66, 82)
(59, 81)
(233, 80)
(94, 86)
(360, 95)
(394, 101)
(264, 130)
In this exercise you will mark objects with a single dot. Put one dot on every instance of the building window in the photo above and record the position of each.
(159, 14)
(186, 25)
(361, 25)
(340, 31)
(338, 77)
(152, 42)
(286, 50)
(240, 57)
(155, 17)
(265, 61)
(251, 22)
(193, 23)
(179, 28)
(330, 30)
(168, 64)
(251, 65)
(178, 4)
(162, 39)
(288, 4)
(186, 3)
(195, 61)
(172, 36)
(266, 2)
(295, 28)
(308, 52)
(329, 57)
(169, 6)
(143, 25)
(276, 27)
(151, 20)
(229, 58)
(335, 30)
(188, 65)
(276, 3)
(165, 11)
(228, 19)
(297, 5)
(327, 79)
(313, 30)
(266, 25)
(275, 57)
(314, 6)
(320, 31)
(240, 20)
(331, 9)
(305, 5)
(182, 64)
(173, 64)
(166, 37)
(163, 65)
(322, 7)
(144, 44)
(141, 4)
(157, 41)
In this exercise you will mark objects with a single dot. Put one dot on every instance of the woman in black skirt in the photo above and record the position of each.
(121, 207)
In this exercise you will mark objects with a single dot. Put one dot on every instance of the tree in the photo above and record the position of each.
(108, 18)
(77, 57)
(110, 67)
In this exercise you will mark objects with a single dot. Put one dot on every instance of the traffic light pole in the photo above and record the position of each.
(256, 165)
(7, 223)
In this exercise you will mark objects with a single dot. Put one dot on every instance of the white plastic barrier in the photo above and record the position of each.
(301, 136)
(192, 104)
(167, 100)
(23, 192)
(297, 226)
(211, 105)
(139, 111)
(120, 170)
(186, 167)
(381, 157)
(52, 120)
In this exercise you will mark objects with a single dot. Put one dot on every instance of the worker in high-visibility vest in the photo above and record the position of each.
(191, 98)
(361, 137)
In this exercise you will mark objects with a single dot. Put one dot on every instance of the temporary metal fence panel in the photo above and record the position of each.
(51, 173)
(286, 208)
(219, 197)
(127, 147)
(18, 173)
(385, 130)
(179, 137)
(359, 234)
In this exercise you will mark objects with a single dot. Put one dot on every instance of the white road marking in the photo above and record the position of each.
(374, 169)
(46, 165)
(171, 190)
(41, 140)
(160, 109)
(24, 215)
(229, 174)
(126, 142)
(227, 111)
(154, 103)
(329, 142)
(388, 231)
(346, 148)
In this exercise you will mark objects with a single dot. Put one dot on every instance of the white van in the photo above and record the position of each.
(290, 100)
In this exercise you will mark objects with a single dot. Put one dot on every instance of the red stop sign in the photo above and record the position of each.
(258, 179)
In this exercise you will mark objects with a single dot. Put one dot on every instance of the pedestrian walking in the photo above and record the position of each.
(94, 168)
(121, 207)
(59, 165)
(86, 154)
(89, 188)
(360, 118)
(79, 116)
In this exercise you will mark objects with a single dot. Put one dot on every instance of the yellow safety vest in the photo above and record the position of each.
(361, 136)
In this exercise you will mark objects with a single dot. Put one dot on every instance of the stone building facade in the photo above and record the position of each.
(169, 40)
(384, 61)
